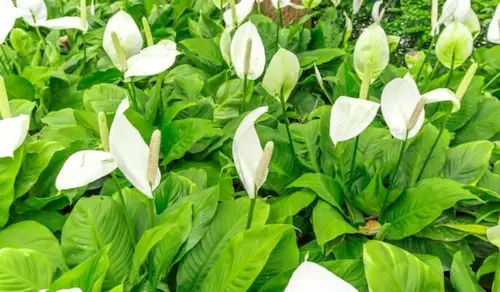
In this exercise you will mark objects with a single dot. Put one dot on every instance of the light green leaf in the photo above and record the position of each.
(103, 97)
(467, 162)
(462, 277)
(288, 205)
(324, 186)
(324, 217)
(9, 167)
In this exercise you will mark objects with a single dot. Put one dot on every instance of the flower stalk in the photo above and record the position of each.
(147, 32)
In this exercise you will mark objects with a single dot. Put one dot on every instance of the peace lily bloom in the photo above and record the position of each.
(242, 10)
(454, 45)
(310, 276)
(454, 10)
(493, 29)
(356, 5)
(8, 15)
(13, 130)
(128, 152)
(35, 14)
(250, 159)
(247, 52)
(401, 100)
(123, 42)
(281, 3)
(282, 74)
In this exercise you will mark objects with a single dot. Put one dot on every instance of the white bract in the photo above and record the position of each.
(247, 152)
(282, 74)
(356, 5)
(281, 3)
(351, 116)
(128, 152)
(454, 10)
(245, 34)
(371, 49)
(454, 45)
(311, 277)
(8, 15)
(494, 27)
(225, 45)
(136, 62)
(401, 97)
(243, 9)
(35, 14)
(472, 23)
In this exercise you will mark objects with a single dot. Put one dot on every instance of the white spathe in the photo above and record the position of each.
(247, 151)
(13, 132)
(84, 167)
(356, 5)
(282, 74)
(152, 60)
(243, 9)
(225, 45)
(351, 116)
(129, 35)
(454, 10)
(371, 49)
(257, 62)
(130, 151)
(494, 27)
(311, 277)
(281, 3)
(400, 97)
(8, 15)
(35, 14)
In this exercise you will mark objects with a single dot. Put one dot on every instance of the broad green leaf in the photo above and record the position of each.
(307, 145)
(488, 266)
(467, 162)
(412, 211)
(371, 198)
(289, 205)
(94, 223)
(462, 277)
(319, 56)
(391, 269)
(203, 52)
(483, 124)
(24, 270)
(9, 167)
(243, 258)
(37, 156)
(163, 241)
(139, 209)
(88, 276)
(323, 218)
(34, 236)
(230, 218)
(103, 97)
(351, 271)
(171, 189)
(324, 186)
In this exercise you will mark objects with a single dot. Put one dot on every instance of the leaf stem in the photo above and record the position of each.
(427, 52)
(251, 210)
(84, 50)
(122, 201)
(287, 123)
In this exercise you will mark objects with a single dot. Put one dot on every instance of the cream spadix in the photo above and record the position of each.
(351, 116)
(243, 9)
(310, 276)
(130, 152)
(13, 130)
(35, 14)
(250, 159)
(371, 50)
(244, 34)
(282, 74)
(454, 45)
(494, 27)
(401, 98)
(123, 42)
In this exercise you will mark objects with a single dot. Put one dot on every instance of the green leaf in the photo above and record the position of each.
(462, 277)
(318, 57)
(306, 143)
(324, 186)
(391, 269)
(371, 199)
(467, 162)
(103, 97)
(203, 52)
(34, 236)
(171, 189)
(88, 276)
(37, 156)
(243, 259)
(412, 211)
(289, 205)
(483, 125)
(174, 228)
(351, 271)
(230, 218)
(324, 217)
(24, 270)
(9, 167)
(94, 223)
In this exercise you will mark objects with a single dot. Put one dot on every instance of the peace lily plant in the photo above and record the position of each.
(13, 130)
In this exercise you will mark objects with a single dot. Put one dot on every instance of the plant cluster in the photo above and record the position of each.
(199, 145)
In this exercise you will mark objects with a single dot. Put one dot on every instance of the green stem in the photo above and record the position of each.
(251, 211)
(427, 53)
(124, 206)
(279, 24)
(37, 29)
(491, 81)
(287, 123)
(244, 98)
(84, 50)
(131, 91)
(434, 144)
(353, 161)
(124, 5)
(450, 75)
(258, 7)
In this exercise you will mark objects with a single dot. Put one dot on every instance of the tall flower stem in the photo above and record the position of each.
(131, 91)
(279, 24)
(84, 41)
(363, 94)
(124, 206)
(287, 122)
(427, 53)
(251, 211)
